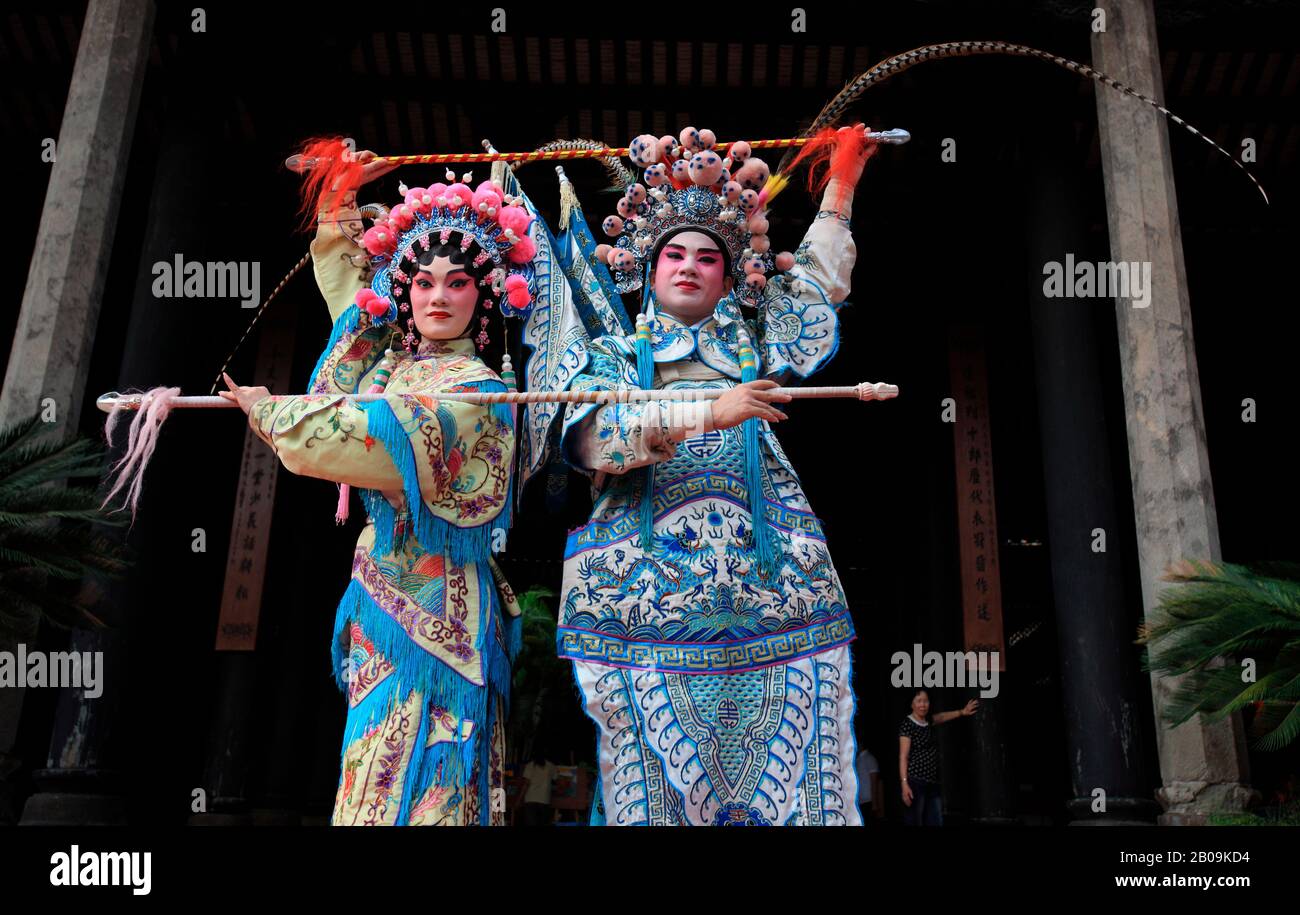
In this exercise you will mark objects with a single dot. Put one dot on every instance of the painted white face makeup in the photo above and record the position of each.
(690, 276)
(443, 297)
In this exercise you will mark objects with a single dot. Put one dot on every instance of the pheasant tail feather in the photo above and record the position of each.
(892, 66)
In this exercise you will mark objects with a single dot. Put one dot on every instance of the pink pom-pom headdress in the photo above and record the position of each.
(484, 214)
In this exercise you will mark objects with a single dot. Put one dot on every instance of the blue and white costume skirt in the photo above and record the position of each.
(769, 746)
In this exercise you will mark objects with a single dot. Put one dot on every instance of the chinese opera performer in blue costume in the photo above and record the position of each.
(707, 627)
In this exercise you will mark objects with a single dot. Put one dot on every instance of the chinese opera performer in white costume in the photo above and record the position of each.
(707, 627)
(427, 628)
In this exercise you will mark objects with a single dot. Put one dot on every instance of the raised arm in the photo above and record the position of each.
(341, 265)
(342, 269)
(827, 253)
(798, 311)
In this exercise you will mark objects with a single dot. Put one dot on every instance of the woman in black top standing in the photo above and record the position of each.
(918, 760)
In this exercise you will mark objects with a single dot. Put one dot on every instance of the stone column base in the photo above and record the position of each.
(1191, 803)
(74, 797)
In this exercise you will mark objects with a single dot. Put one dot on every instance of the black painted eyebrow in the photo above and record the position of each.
(697, 250)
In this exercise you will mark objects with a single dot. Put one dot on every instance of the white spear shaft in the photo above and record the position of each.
(865, 391)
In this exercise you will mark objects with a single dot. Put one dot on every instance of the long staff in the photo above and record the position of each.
(301, 163)
(867, 390)
(152, 407)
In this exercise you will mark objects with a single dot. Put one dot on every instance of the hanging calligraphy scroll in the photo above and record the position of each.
(250, 532)
(977, 526)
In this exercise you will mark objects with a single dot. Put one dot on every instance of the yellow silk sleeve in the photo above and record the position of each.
(324, 436)
(341, 266)
(454, 458)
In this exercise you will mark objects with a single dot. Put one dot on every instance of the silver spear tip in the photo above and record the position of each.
(895, 136)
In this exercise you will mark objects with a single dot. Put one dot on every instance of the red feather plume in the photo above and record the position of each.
(833, 153)
(336, 173)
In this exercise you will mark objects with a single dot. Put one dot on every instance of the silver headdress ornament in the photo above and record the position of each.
(689, 184)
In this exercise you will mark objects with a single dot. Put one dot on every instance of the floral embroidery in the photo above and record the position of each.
(462, 457)
(478, 506)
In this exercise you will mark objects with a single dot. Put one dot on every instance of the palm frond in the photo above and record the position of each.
(68, 503)
(51, 534)
(17, 434)
(1215, 615)
(43, 462)
(1282, 735)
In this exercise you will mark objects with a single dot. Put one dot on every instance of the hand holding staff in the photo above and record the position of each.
(242, 397)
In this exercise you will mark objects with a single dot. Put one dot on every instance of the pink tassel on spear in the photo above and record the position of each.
(155, 405)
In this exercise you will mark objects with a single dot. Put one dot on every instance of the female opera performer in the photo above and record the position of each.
(427, 629)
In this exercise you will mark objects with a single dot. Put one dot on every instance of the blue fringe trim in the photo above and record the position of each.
(506, 519)
(451, 759)
(514, 637)
(499, 657)
(485, 768)
(413, 667)
(645, 372)
(415, 783)
(765, 546)
(440, 685)
(346, 324)
(463, 545)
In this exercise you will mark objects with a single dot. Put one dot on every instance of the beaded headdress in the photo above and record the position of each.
(691, 183)
(486, 215)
